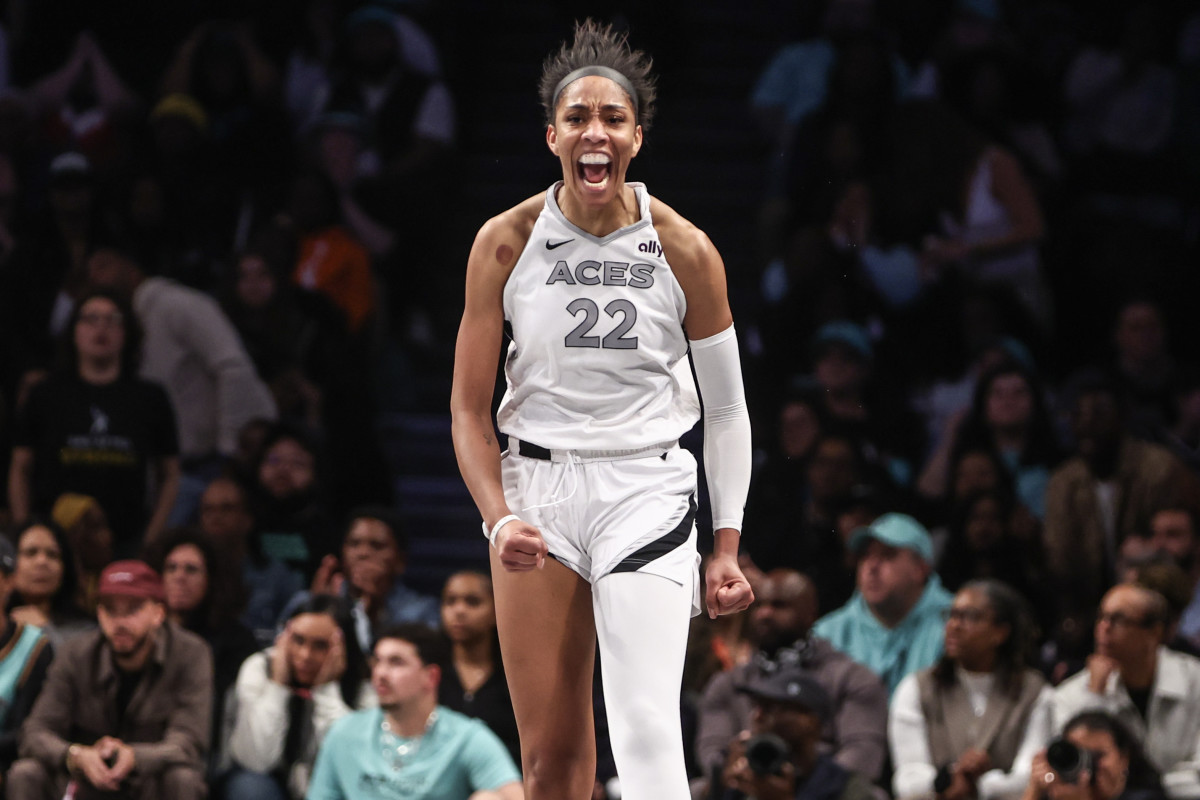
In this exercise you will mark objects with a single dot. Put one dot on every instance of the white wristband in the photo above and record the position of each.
(500, 523)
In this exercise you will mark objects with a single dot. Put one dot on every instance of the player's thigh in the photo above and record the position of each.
(548, 641)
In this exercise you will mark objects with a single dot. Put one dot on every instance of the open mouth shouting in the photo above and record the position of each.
(594, 169)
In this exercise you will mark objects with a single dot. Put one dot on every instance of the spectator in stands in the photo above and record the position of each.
(990, 222)
(948, 400)
(843, 362)
(796, 525)
(1120, 101)
(123, 709)
(338, 142)
(1104, 493)
(796, 81)
(191, 348)
(410, 741)
(89, 538)
(1120, 769)
(1009, 415)
(95, 428)
(974, 470)
(288, 696)
(893, 623)
(791, 705)
(25, 653)
(396, 199)
(228, 520)
(1155, 692)
(1164, 576)
(782, 616)
(831, 150)
(331, 258)
(305, 76)
(969, 27)
(1175, 532)
(85, 106)
(408, 111)
(970, 725)
(1183, 437)
(179, 211)
(783, 473)
(291, 500)
(997, 89)
(1144, 368)
(979, 471)
(44, 588)
(203, 595)
(221, 67)
(374, 557)
(473, 682)
(982, 544)
(320, 375)
(45, 274)
(296, 338)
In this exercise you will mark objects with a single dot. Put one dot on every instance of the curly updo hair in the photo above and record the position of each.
(599, 45)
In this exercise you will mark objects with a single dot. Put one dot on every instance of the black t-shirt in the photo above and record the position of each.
(1141, 699)
(127, 683)
(98, 441)
(489, 703)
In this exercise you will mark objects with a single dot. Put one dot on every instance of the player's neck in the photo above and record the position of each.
(621, 212)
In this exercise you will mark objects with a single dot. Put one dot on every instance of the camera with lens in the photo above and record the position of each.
(1069, 760)
(766, 754)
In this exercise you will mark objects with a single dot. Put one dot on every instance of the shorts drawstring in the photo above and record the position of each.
(573, 467)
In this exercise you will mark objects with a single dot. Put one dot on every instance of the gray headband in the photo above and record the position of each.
(602, 72)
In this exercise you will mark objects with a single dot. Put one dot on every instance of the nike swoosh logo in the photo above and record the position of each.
(551, 245)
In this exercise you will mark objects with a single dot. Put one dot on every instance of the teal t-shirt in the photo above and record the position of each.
(457, 756)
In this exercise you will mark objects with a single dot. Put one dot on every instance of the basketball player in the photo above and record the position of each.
(590, 511)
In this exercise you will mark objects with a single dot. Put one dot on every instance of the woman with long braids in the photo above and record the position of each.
(968, 726)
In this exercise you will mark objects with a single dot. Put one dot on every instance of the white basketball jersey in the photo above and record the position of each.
(598, 355)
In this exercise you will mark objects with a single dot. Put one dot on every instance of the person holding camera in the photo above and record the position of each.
(1153, 691)
(1096, 758)
(779, 757)
(781, 621)
(968, 726)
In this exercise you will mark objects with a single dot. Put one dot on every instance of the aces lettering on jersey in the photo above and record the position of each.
(609, 273)
(622, 311)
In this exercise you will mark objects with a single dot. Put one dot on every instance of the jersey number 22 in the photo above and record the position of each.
(616, 338)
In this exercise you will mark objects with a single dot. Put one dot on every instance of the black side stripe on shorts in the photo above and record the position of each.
(662, 545)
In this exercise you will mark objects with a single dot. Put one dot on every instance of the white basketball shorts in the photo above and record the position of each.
(610, 511)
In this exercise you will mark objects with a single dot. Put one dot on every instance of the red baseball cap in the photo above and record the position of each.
(130, 579)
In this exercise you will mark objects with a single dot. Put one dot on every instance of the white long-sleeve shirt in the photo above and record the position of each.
(909, 741)
(193, 350)
(1170, 732)
(260, 720)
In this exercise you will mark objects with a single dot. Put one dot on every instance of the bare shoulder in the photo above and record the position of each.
(685, 246)
(504, 236)
(699, 269)
(495, 253)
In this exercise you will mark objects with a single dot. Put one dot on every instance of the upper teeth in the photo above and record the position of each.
(594, 158)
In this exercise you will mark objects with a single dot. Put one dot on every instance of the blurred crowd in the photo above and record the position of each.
(969, 345)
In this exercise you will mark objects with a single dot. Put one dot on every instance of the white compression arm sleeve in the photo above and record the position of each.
(727, 447)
